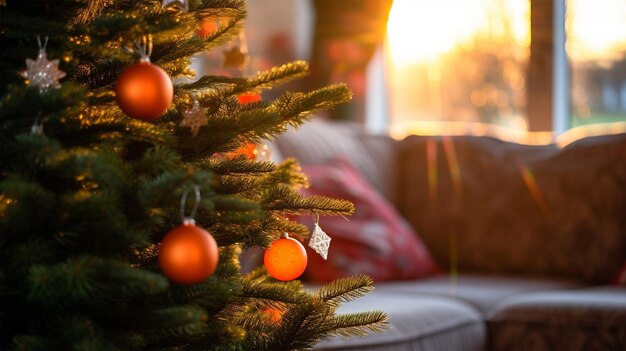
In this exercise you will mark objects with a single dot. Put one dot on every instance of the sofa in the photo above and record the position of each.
(530, 240)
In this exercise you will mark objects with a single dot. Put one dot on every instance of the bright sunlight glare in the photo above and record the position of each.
(596, 27)
(423, 29)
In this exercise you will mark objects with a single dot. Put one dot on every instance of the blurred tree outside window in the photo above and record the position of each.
(460, 62)
(596, 48)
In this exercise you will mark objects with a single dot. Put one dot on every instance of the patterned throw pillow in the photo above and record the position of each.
(375, 241)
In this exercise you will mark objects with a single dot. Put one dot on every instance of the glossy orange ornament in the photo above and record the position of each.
(285, 259)
(248, 98)
(144, 91)
(188, 254)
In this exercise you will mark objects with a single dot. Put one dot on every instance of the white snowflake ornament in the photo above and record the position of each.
(320, 241)
(41, 72)
(194, 118)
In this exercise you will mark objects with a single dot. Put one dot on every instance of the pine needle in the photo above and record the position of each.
(347, 325)
(346, 289)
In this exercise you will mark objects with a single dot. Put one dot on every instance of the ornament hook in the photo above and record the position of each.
(42, 48)
(144, 48)
(190, 219)
(37, 127)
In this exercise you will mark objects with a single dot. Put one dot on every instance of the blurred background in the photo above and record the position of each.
(520, 70)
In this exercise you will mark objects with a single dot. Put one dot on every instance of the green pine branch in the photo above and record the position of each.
(86, 278)
(346, 290)
(262, 289)
(282, 198)
(295, 107)
(92, 10)
(240, 166)
(351, 324)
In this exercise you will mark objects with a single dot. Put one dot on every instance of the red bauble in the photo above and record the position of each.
(188, 254)
(248, 98)
(144, 91)
(285, 259)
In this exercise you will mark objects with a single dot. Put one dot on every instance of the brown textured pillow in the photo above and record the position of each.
(504, 207)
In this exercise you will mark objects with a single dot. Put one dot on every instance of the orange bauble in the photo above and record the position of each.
(188, 254)
(285, 259)
(144, 91)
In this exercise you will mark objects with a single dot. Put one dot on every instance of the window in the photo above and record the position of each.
(470, 67)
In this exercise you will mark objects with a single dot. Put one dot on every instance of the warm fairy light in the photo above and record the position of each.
(248, 98)
(80, 40)
(5, 202)
(248, 150)
(273, 314)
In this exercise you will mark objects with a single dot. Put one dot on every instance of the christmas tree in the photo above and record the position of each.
(107, 169)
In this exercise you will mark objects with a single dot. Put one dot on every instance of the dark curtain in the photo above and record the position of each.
(347, 33)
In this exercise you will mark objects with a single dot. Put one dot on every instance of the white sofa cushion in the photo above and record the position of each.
(417, 323)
